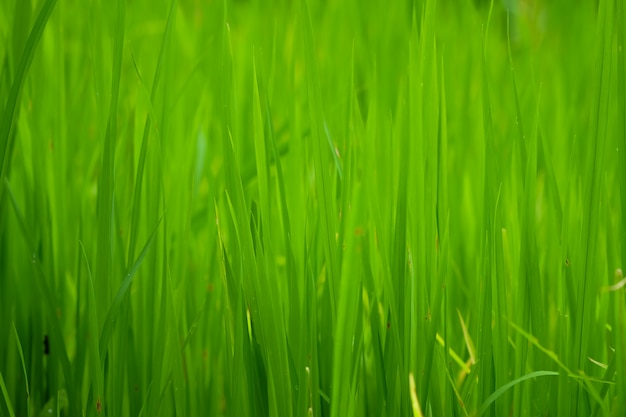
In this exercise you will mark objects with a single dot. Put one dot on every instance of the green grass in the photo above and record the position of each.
(312, 208)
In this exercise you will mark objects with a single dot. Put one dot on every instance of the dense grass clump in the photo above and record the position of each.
(312, 208)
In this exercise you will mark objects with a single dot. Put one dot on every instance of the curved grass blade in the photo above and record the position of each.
(500, 391)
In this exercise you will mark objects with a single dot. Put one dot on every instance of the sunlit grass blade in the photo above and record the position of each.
(5, 396)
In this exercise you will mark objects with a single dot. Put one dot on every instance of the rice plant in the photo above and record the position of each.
(312, 208)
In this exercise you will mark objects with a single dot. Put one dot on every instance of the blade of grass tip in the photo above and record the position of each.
(321, 159)
(21, 353)
(609, 375)
(415, 404)
(92, 340)
(111, 314)
(11, 107)
(500, 391)
(5, 395)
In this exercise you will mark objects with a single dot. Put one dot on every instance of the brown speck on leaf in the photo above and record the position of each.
(98, 406)
(567, 263)
(389, 325)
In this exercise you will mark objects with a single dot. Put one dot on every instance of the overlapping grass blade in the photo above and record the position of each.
(8, 119)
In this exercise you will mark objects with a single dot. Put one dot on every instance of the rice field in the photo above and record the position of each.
(312, 208)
